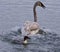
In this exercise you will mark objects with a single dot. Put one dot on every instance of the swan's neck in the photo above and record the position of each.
(38, 3)
(35, 15)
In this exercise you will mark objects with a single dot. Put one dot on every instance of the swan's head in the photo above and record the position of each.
(26, 39)
(38, 3)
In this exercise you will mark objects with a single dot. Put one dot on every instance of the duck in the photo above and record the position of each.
(20, 41)
(33, 27)
(25, 41)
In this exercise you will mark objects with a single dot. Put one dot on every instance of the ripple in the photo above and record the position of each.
(39, 43)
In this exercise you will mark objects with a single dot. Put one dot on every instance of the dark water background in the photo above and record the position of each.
(13, 13)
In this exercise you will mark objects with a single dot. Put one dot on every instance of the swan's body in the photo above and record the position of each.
(33, 27)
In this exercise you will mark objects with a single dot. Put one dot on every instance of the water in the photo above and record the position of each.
(12, 16)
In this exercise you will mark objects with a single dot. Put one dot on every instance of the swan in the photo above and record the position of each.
(33, 27)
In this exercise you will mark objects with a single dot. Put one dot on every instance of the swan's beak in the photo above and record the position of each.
(43, 6)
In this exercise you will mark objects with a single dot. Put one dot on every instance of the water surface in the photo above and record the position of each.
(14, 13)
